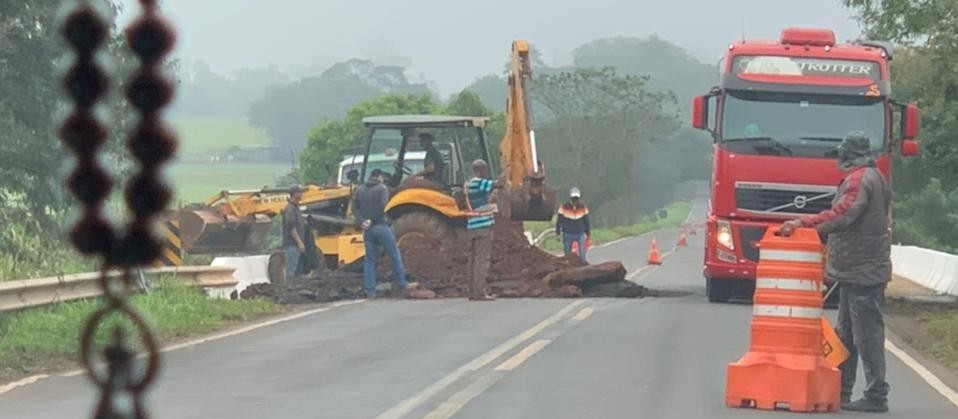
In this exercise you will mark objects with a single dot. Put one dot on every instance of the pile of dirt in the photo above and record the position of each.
(330, 286)
(518, 269)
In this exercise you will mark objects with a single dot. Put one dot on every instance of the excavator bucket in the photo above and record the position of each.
(205, 231)
(536, 201)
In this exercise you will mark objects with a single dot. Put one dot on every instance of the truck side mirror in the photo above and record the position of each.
(909, 148)
(700, 112)
(910, 121)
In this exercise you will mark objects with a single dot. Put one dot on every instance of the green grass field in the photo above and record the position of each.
(201, 136)
(195, 182)
(46, 338)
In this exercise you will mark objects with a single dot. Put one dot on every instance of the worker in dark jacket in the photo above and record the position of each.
(859, 262)
(294, 233)
(369, 205)
(572, 223)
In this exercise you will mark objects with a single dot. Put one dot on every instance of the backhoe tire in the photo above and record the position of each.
(425, 223)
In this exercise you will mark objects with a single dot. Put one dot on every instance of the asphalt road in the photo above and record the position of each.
(646, 358)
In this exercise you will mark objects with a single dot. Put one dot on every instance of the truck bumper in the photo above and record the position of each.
(738, 263)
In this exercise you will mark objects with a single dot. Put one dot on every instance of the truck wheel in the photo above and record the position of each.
(718, 291)
(422, 222)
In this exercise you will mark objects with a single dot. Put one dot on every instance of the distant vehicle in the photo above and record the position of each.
(414, 160)
(781, 110)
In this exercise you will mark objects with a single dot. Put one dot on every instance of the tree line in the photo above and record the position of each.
(924, 71)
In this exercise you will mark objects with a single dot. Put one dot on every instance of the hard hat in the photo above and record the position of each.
(574, 193)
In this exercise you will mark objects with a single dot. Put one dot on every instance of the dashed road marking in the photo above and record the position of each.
(584, 314)
(404, 407)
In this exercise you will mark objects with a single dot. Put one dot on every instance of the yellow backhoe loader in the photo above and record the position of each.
(423, 206)
(237, 222)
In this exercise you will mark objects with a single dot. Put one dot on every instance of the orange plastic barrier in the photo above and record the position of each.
(785, 367)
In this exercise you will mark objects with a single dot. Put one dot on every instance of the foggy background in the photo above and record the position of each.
(452, 42)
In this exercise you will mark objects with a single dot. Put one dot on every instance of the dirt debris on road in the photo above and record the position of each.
(518, 270)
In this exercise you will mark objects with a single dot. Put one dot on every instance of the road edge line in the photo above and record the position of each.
(6, 388)
(411, 403)
(929, 377)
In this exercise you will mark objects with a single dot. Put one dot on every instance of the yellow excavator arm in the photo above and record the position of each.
(528, 197)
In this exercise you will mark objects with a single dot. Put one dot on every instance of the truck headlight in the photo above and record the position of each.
(723, 235)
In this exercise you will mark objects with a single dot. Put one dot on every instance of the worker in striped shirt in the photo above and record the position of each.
(479, 228)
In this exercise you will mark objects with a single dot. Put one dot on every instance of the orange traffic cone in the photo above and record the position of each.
(654, 257)
(692, 230)
(682, 240)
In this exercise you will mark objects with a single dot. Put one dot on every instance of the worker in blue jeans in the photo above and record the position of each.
(369, 205)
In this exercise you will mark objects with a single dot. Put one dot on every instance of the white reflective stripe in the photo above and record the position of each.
(787, 311)
(789, 284)
(790, 255)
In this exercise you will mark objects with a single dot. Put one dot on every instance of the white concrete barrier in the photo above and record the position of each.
(249, 270)
(931, 269)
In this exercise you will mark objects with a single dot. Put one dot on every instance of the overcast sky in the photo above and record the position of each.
(453, 41)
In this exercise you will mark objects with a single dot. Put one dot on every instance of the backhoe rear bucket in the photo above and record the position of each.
(206, 232)
(535, 202)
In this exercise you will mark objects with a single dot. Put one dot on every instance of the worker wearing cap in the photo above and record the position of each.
(479, 228)
(572, 223)
(859, 262)
(294, 232)
(369, 206)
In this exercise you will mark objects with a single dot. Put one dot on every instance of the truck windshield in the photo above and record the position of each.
(799, 125)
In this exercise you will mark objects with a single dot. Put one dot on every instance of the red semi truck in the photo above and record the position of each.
(778, 114)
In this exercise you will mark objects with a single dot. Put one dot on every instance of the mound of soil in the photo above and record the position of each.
(518, 270)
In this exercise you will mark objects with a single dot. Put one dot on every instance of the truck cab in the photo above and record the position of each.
(776, 118)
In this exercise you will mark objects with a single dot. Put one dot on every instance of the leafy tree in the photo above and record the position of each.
(492, 90)
(33, 201)
(288, 113)
(669, 67)
(327, 141)
(924, 71)
(604, 126)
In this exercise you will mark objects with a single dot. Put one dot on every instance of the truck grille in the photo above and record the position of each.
(750, 236)
(783, 199)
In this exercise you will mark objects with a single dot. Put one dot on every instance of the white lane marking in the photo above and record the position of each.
(459, 400)
(26, 381)
(616, 241)
(406, 406)
(584, 314)
(923, 372)
(253, 327)
(523, 355)
(33, 379)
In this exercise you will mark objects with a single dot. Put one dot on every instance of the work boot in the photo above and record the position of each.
(846, 398)
(866, 405)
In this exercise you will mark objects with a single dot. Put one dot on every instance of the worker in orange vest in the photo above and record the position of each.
(859, 261)
(572, 223)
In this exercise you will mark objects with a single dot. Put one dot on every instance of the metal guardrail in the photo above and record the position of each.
(22, 294)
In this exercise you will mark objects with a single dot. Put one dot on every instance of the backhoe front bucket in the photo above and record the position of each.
(206, 232)
(535, 202)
